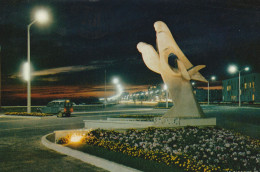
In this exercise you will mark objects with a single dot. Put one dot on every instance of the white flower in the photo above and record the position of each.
(227, 145)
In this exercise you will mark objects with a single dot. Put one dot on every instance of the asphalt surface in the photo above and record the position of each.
(21, 148)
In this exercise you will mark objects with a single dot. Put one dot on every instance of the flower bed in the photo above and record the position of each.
(27, 114)
(191, 148)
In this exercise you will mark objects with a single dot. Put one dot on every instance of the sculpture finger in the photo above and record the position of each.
(183, 70)
(165, 40)
(195, 69)
(198, 77)
(150, 57)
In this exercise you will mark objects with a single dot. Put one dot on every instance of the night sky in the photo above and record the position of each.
(87, 37)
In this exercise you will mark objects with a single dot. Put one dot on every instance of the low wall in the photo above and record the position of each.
(128, 119)
(181, 122)
(158, 122)
(104, 124)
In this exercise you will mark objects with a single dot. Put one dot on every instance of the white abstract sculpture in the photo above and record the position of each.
(178, 77)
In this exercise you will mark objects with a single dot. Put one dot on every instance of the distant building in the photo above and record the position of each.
(202, 95)
(249, 85)
(155, 93)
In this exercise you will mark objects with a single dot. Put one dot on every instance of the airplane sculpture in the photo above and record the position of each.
(177, 78)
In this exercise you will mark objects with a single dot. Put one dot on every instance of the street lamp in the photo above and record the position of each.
(118, 86)
(234, 69)
(166, 92)
(115, 80)
(41, 16)
(120, 89)
(213, 78)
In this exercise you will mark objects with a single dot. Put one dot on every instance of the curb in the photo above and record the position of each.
(93, 160)
(16, 116)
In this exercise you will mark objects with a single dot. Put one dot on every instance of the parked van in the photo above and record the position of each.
(61, 107)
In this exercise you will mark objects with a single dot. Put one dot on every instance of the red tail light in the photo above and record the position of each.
(71, 109)
(65, 110)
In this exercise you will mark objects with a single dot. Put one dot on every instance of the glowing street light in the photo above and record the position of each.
(233, 69)
(115, 80)
(118, 86)
(41, 16)
(120, 89)
(213, 78)
(26, 74)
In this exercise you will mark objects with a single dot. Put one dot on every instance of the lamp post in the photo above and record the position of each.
(105, 100)
(233, 69)
(42, 17)
(213, 78)
(119, 87)
(0, 81)
(166, 92)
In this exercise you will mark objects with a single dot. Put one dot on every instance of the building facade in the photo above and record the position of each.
(249, 88)
(202, 95)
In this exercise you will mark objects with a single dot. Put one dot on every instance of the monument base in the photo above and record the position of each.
(122, 124)
(181, 122)
(158, 122)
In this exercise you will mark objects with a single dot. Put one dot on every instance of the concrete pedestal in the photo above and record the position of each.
(158, 122)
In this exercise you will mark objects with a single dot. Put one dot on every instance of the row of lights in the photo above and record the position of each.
(231, 69)
(118, 86)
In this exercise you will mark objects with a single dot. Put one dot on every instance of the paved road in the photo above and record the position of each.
(21, 149)
(245, 120)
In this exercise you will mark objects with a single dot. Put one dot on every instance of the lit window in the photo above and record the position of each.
(253, 84)
(245, 85)
(253, 97)
(250, 84)
(228, 87)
